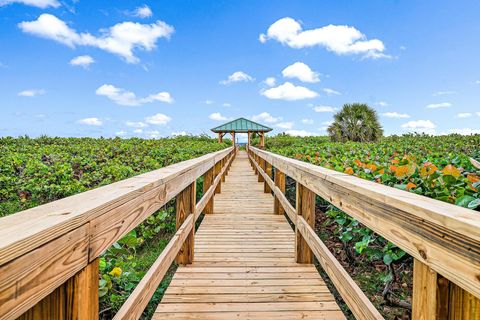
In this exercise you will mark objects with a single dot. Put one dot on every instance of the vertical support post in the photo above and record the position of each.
(305, 208)
(220, 137)
(435, 297)
(222, 164)
(268, 171)
(185, 206)
(261, 163)
(280, 183)
(217, 170)
(262, 140)
(76, 299)
(208, 178)
(233, 139)
(249, 134)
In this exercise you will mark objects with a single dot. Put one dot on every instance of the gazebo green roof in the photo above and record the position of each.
(241, 125)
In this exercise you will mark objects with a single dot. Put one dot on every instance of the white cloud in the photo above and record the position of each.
(289, 92)
(443, 93)
(477, 82)
(121, 133)
(425, 126)
(324, 109)
(138, 131)
(340, 39)
(439, 105)
(381, 103)
(300, 133)
(238, 76)
(31, 92)
(265, 117)
(226, 104)
(270, 81)
(217, 117)
(158, 119)
(82, 61)
(34, 3)
(307, 121)
(153, 134)
(178, 134)
(478, 113)
(127, 98)
(285, 125)
(301, 71)
(463, 115)
(464, 131)
(143, 12)
(330, 92)
(136, 124)
(91, 122)
(395, 115)
(121, 39)
(327, 123)
(208, 102)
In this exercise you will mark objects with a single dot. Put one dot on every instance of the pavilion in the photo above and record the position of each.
(242, 125)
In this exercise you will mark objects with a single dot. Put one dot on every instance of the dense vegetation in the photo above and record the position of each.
(438, 167)
(37, 171)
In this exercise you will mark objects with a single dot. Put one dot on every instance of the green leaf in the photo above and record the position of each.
(387, 259)
(474, 204)
(464, 201)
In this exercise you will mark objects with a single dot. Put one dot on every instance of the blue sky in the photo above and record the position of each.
(153, 69)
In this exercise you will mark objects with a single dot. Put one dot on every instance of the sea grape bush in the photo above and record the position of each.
(438, 167)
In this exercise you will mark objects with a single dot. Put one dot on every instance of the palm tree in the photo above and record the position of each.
(355, 122)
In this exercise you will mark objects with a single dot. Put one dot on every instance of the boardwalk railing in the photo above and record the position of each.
(49, 254)
(443, 239)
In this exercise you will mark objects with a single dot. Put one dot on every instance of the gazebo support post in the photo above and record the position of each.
(262, 140)
(233, 138)
(220, 136)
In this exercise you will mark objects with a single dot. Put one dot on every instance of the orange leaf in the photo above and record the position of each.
(393, 168)
(411, 185)
(395, 161)
(451, 171)
(401, 172)
(473, 178)
(372, 167)
(349, 170)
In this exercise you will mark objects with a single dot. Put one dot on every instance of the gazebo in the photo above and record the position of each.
(242, 125)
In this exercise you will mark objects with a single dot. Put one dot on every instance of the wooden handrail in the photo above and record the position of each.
(43, 247)
(443, 236)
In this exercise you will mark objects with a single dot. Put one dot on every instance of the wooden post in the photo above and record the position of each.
(185, 206)
(75, 299)
(280, 183)
(249, 134)
(233, 139)
(261, 163)
(268, 171)
(222, 164)
(208, 178)
(217, 170)
(305, 208)
(435, 297)
(262, 140)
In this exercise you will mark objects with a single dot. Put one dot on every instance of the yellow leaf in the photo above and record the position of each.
(116, 272)
(451, 171)
(349, 170)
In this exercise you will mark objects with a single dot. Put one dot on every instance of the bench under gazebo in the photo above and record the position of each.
(242, 125)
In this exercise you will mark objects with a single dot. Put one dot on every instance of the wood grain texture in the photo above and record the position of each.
(280, 184)
(185, 206)
(424, 297)
(208, 179)
(268, 172)
(305, 208)
(443, 236)
(244, 263)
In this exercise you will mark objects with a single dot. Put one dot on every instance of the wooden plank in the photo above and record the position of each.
(261, 306)
(280, 184)
(293, 289)
(258, 315)
(226, 298)
(137, 301)
(268, 172)
(424, 297)
(185, 206)
(353, 296)
(305, 202)
(441, 235)
(208, 179)
(217, 171)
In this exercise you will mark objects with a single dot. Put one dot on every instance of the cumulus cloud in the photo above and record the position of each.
(127, 98)
(324, 109)
(238, 76)
(425, 126)
(34, 3)
(300, 133)
(340, 39)
(289, 92)
(153, 134)
(464, 115)
(136, 124)
(285, 125)
(265, 117)
(302, 72)
(307, 121)
(381, 103)
(158, 119)
(217, 116)
(270, 81)
(31, 92)
(121, 39)
(82, 61)
(143, 12)
(439, 105)
(91, 121)
(330, 92)
(395, 115)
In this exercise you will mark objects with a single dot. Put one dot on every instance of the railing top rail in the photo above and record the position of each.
(27, 230)
(444, 236)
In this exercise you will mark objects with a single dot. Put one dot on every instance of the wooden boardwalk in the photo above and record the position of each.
(244, 262)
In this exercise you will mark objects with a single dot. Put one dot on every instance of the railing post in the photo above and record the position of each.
(223, 161)
(185, 206)
(77, 298)
(268, 171)
(280, 183)
(305, 202)
(435, 297)
(208, 178)
(217, 170)
(261, 163)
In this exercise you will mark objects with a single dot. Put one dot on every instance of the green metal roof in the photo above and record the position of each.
(241, 125)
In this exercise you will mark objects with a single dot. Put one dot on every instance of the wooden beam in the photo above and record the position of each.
(261, 163)
(443, 236)
(185, 206)
(280, 183)
(233, 139)
(220, 138)
(262, 140)
(268, 171)
(208, 179)
(217, 170)
(305, 202)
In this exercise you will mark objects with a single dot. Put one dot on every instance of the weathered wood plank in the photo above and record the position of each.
(280, 184)
(305, 202)
(185, 206)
